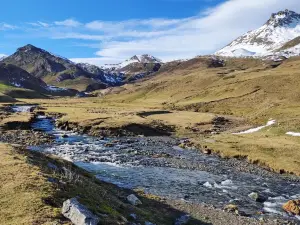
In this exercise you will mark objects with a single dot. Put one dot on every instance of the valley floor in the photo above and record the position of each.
(34, 186)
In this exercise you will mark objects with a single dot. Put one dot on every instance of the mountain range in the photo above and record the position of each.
(60, 72)
(279, 36)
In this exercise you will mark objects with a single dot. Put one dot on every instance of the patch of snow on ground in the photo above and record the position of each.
(293, 134)
(16, 84)
(252, 130)
(54, 88)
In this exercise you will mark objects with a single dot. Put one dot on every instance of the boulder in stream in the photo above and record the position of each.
(293, 207)
(257, 197)
(78, 213)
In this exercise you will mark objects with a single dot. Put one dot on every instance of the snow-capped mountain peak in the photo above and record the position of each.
(146, 58)
(281, 28)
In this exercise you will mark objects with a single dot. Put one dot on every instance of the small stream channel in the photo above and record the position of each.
(159, 167)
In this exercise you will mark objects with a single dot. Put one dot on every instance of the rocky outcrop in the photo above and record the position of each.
(78, 213)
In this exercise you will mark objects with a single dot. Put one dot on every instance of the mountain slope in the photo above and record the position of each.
(54, 70)
(281, 28)
(111, 79)
(16, 77)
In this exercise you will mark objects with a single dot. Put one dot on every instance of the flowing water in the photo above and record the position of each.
(159, 167)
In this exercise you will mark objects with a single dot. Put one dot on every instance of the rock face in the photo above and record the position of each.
(78, 213)
(278, 37)
(293, 207)
(133, 200)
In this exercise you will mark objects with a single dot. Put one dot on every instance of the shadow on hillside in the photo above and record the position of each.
(150, 113)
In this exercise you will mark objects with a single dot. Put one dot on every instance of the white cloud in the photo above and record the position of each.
(68, 23)
(39, 24)
(43, 24)
(2, 55)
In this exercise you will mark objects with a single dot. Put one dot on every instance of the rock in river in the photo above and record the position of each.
(257, 197)
(293, 207)
(78, 213)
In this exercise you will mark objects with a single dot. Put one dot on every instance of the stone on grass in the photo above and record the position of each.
(78, 213)
(133, 200)
(149, 223)
(183, 220)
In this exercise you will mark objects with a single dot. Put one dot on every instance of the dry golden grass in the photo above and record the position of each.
(267, 148)
(16, 118)
(22, 190)
(98, 114)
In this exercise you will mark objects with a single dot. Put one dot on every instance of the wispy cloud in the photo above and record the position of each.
(68, 23)
(6, 26)
(38, 24)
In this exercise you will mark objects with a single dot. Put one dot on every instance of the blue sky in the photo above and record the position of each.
(109, 31)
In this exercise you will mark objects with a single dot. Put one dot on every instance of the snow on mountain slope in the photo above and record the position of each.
(281, 28)
(100, 74)
(2, 57)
